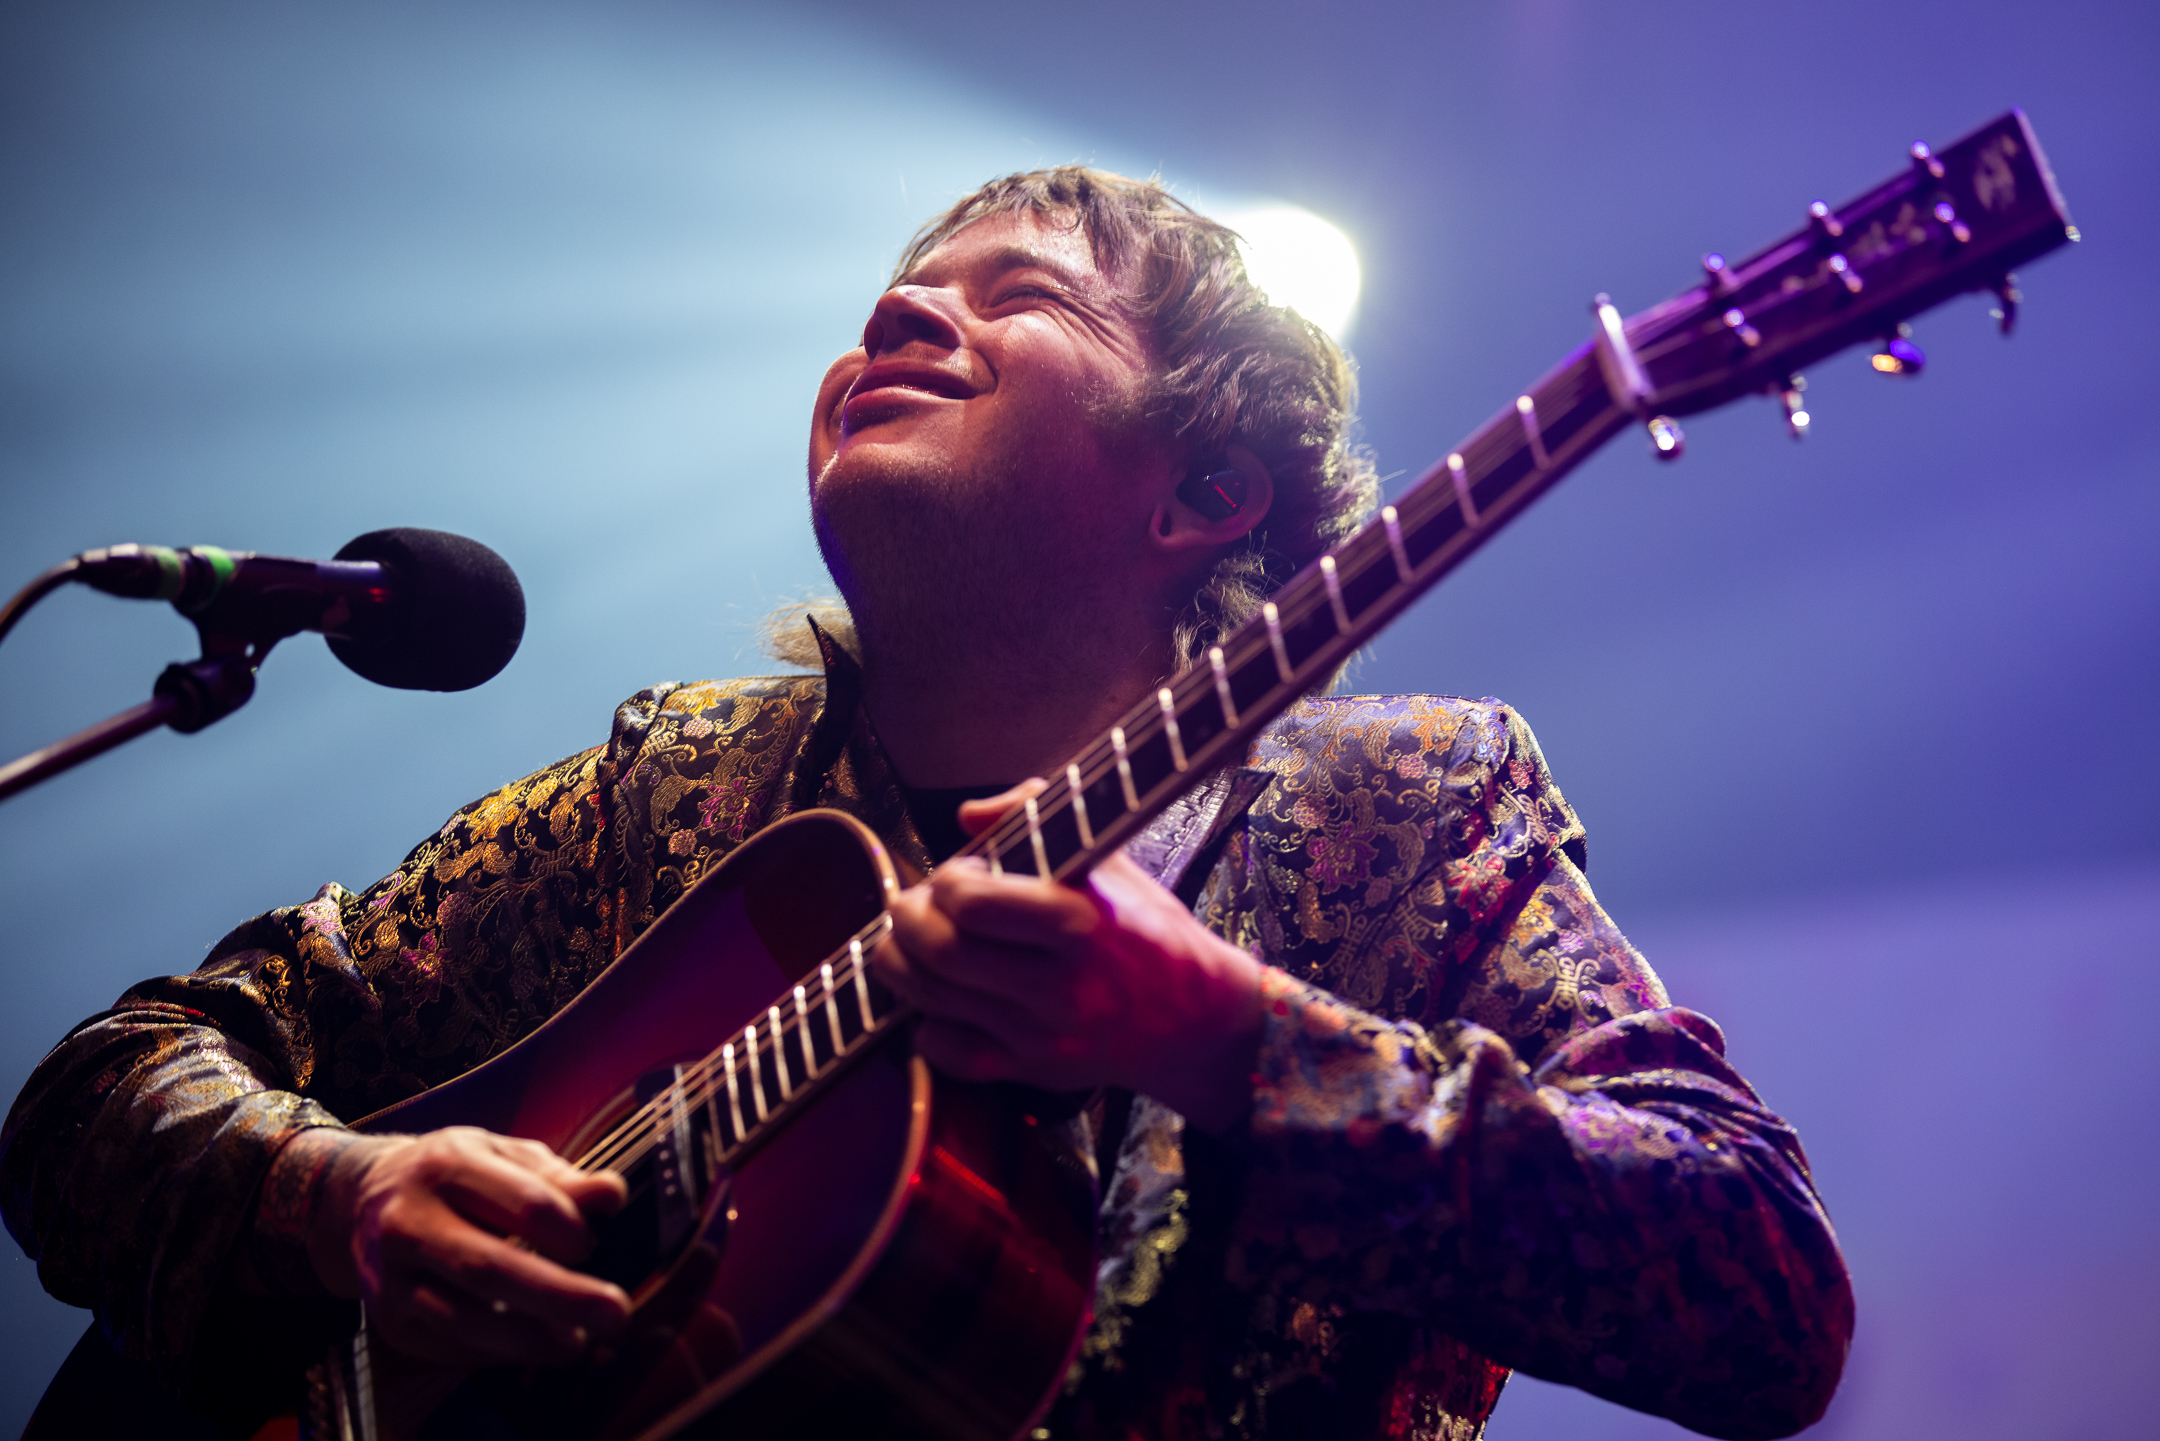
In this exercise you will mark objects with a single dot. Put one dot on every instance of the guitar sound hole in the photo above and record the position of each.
(677, 1187)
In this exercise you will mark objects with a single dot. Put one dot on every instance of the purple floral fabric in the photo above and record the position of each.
(1480, 1136)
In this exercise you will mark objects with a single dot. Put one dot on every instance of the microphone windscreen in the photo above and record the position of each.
(455, 617)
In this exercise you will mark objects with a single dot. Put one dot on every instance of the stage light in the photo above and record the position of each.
(1300, 261)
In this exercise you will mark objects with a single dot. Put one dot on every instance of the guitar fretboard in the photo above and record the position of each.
(1204, 717)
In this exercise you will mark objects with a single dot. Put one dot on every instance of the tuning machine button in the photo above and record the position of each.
(1840, 267)
(1736, 321)
(1667, 442)
(1825, 225)
(1925, 161)
(1722, 281)
(1899, 356)
(1624, 380)
(2007, 295)
(1792, 396)
(1946, 215)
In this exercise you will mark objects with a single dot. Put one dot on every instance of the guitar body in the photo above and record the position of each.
(906, 1257)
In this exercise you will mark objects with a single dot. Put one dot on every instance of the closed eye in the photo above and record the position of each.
(1020, 291)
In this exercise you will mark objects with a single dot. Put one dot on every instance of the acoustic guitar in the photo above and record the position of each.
(825, 1239)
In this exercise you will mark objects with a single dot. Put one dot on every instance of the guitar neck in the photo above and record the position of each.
(1952, 221)
(1205, 717)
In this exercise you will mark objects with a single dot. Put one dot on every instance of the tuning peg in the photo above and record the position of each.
(1623, 377)
(1666, 440)
(1947, 216)
(1722, 280)
(1899, 356)
(2007, 295)
(1796, 416)
(1925, 162)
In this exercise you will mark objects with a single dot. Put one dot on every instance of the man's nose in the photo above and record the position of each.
(913, 312)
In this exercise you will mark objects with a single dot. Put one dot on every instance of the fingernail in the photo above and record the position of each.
(499, 1307)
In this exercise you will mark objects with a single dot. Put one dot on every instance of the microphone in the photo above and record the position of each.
(414, 609)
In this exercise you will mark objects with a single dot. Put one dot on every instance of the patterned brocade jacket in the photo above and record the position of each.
(1480, 1136)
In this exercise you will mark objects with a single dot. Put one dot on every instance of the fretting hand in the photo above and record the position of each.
(1110, 983)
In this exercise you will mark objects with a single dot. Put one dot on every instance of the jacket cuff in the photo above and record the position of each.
(1325, 1065)
(277, 1243)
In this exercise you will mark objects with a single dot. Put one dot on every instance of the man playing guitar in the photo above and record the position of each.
(1382, 1102)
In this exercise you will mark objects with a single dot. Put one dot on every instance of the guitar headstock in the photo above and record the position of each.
(1953, 220)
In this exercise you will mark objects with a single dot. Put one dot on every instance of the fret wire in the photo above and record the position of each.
(1124, 767)
(862, 987)
(779, 1052)
(1526, 408)
(1168, 703)
(1222, 686)
(1334, 594)
(734, 1091)
(1283, 669)
(1241, 650)
(1458, 474)
(757, 1073)
(832, 1011)
(1079, 804)
(1035, 840)
(1392, 521)
(719, 1137)
(802, 1032)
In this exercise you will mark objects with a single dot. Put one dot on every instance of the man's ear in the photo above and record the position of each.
(1219, 499)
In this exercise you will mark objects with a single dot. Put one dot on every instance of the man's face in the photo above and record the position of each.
(989, 424)
(1004, 338)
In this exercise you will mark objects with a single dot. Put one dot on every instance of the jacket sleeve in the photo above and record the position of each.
(133, 1156)
(1558, 1167)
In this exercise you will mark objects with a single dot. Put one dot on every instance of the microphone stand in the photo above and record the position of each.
(188, 696)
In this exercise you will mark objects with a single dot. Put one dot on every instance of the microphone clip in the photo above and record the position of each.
(205, 691)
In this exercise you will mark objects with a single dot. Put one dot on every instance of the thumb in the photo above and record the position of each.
(978, 816)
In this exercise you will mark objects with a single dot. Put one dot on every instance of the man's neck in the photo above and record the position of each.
(1001, 714)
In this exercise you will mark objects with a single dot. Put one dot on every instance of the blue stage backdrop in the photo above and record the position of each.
(1861, 729)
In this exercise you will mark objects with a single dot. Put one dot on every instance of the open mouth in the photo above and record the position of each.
(886, 393)
(940, 387)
